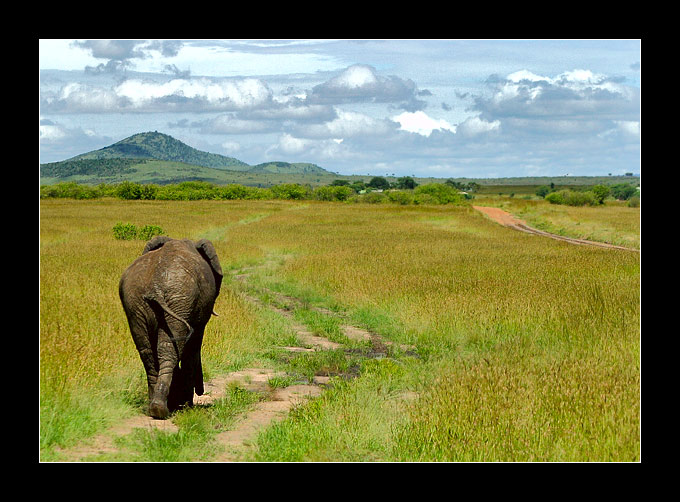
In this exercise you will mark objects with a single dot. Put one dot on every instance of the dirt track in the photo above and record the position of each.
(508, 220)
(276, 403)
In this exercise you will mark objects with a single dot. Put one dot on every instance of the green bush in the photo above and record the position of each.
(542, 191)
(623, 191)
(128, 231)
(373, 197)
(290, 191)
(379, 183)
(441, 193)
(555, 198)
(600, 192)
(129, 190)
(233, 192)
(406, 182)
(573, 198)
(69, 190)
(125, 231)
(333, 192)
(424, 198)
(401, 197)
(634, 201)
(149, 231)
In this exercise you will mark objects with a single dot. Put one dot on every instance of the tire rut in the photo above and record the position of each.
(276, 402)
(508, 220)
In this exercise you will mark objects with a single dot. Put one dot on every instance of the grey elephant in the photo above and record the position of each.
(168, 295)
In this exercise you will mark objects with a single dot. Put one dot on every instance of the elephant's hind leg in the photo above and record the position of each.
(170, 378)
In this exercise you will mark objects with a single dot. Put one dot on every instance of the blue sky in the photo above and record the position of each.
(442, 108)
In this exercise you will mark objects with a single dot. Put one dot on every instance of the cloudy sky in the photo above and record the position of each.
(443, 108)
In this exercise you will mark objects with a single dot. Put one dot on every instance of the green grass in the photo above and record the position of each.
(195, 439)
(528, 349)
(613, 223)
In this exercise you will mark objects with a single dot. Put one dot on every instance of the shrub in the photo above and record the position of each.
(572, 198)
(290, 191)
(69, 190)
(600, 192)
(333, 192)
(623, 191)
(542, 191)
(125, 231)
(406, 182)
(424, 198)
(129, 191)
(128, 231)
(374, 197)
(634, 201)
(442, 193)
(233, 191)
(379, 183)
(358, 186)
(149, 231)
(555, 198)
(401, 197)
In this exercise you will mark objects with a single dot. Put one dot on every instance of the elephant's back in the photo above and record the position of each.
(175, 271)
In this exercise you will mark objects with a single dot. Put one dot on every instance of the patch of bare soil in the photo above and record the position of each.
(508, 220)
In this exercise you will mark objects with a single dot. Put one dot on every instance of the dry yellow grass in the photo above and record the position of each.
(530, 347)
(614, 222)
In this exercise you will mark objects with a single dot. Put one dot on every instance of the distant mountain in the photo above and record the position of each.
(288, 168)
(158, 146)
(153, 157)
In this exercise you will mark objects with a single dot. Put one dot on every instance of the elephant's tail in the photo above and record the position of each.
(158, 300)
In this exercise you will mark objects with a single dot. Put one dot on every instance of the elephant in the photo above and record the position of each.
(168, 294)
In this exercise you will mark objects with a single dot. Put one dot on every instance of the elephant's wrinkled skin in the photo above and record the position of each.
(168, 295)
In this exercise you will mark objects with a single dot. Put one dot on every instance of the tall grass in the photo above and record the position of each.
(88, 362)
(528, 348)
(520, 305)
(615, 222)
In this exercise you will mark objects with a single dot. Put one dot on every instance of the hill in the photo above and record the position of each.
(153, 157)
(158, 146)
(287, 168)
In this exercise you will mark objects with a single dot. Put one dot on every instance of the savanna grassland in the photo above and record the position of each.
(613, 223)
(525, 348)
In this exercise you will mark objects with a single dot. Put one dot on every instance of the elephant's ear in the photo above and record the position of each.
(207, 251)
(155, 243)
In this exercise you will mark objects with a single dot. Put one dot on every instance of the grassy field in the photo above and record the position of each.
(614, 222)
(526, 349)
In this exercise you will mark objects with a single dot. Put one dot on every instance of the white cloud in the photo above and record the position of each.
(291, 145)
(229, 124)
(630, 127)
(242, 93)
(474, 125)
(87, 98)
(421, 123)
(525, 75)
(314, 150)
(361, 83)
(354, 77)
(51, 133)
(231, 146)
(346, 125)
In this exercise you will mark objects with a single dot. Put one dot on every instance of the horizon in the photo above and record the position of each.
(628, 174)
(423, 108)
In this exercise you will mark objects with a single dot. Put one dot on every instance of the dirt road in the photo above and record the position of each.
(508, 220)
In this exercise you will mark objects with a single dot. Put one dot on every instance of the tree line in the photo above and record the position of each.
(432, 193)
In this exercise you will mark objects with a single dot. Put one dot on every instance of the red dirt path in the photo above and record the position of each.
(508, 220)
